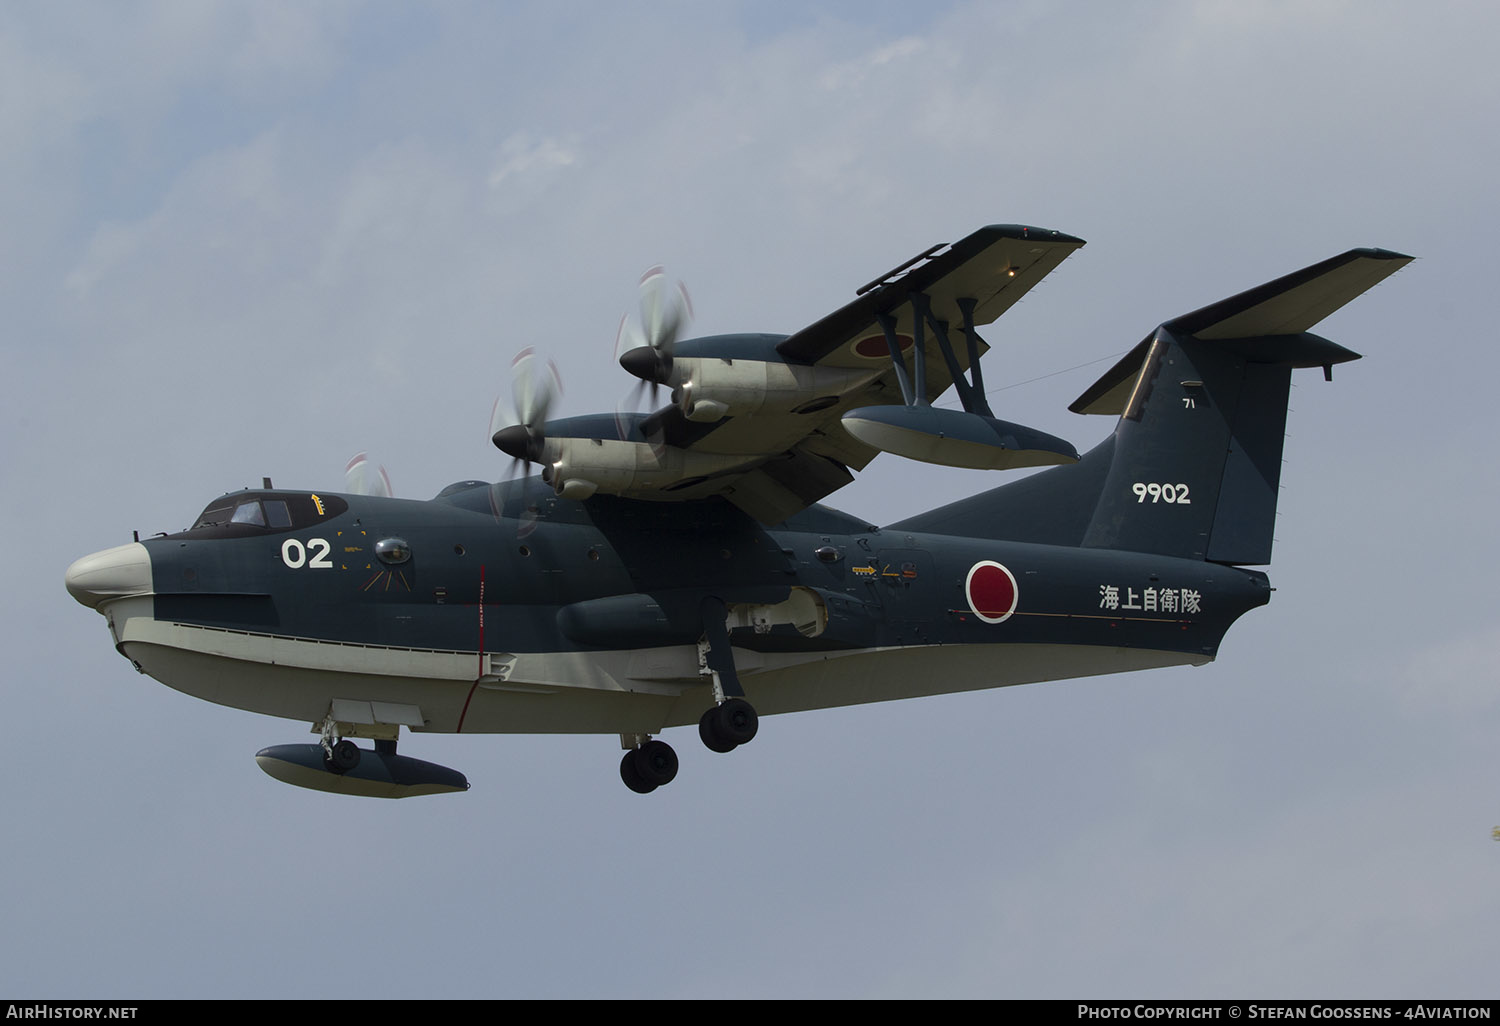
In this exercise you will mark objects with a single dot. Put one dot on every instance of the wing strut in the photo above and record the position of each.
(971, 437)
(914, 393)
(888, 325)
(975, 387)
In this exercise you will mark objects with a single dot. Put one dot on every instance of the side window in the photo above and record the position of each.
(248, 513)
(276, 513)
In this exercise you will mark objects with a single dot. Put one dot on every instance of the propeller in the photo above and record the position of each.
(535, 387)
(644, 347)
(362, 477)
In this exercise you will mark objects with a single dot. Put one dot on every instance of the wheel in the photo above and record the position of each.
(708, 732)
(736, 721)
(631, 774)
(344, 758)
(656, 763)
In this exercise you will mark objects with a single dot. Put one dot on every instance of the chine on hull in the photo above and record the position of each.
(640, 691)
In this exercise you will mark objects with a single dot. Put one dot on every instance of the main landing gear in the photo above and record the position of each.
(648, 766)
(648, 763)
(728, 725)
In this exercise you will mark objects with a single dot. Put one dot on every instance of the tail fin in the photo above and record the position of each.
(1194, 463)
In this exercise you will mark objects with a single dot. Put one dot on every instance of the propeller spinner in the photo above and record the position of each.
(535, 386)
(644, 348)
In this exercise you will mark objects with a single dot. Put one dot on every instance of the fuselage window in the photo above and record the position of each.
(248, 513)
(276, 513)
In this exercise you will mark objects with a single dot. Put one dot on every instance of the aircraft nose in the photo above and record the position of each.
(113, 573)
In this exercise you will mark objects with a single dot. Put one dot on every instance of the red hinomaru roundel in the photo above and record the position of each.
(875, 347)
(992, 591)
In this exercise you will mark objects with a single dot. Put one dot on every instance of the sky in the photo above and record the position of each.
(247, 240)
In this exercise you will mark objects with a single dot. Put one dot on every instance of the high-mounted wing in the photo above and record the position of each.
(760, 419)
(995, 266)
(806, 450)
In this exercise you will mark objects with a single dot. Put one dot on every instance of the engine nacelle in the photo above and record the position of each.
(711, 388)
(579, 467)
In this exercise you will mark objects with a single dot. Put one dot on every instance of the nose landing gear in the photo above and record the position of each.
(342, 757)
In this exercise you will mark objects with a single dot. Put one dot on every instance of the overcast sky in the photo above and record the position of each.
(248, 239)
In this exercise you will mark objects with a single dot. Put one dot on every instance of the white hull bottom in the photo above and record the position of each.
(627, 692)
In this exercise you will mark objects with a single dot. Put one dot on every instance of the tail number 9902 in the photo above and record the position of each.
(314, 555)
(1177, 493)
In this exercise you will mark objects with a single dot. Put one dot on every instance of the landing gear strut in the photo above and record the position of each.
(648, 764)
(732, 722)
(341, 756)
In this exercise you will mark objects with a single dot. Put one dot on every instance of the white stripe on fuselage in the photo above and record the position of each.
(613, 691)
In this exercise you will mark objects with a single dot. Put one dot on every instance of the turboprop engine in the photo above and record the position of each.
(577, 467)
(711, 388)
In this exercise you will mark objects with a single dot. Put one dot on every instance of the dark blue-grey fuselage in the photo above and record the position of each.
(556, 575)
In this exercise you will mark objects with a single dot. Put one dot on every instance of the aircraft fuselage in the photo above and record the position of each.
(502, 608)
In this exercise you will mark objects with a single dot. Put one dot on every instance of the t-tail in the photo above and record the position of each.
(1194, 464)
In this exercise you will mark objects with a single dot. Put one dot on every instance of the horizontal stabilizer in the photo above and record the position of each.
(1112, 391)
(1294, 302)
(1267, 324)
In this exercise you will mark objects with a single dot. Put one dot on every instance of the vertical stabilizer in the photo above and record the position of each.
(1194, 464)
(1197, 454)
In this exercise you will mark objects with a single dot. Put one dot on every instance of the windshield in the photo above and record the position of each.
(247, 512)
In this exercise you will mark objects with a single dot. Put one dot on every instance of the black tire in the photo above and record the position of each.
(656, 763)
(736, 721)
(708, 732)
(345, 757)
(631, 774)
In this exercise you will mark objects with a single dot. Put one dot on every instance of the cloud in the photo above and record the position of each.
(1455, 677)
(519, 157)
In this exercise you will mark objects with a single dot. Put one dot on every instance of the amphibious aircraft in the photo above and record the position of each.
(677, 567)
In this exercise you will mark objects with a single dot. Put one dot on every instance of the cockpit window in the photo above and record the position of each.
(242, 514)
(213, 517)
(248, 513)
